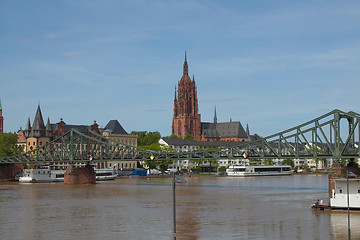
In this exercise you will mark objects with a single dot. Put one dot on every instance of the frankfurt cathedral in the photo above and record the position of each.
(187, 119)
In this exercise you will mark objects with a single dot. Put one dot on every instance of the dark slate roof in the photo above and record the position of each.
(115, 127)
(38, 128)
(224, 129)
(254, 137)
(211, 133)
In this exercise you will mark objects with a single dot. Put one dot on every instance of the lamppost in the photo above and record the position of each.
(176, 178)
(348, 202)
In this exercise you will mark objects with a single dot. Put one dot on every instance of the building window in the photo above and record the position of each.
(340, 190)
(40, 143)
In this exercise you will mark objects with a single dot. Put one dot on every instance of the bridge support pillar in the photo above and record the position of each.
(79, 175)
(9, 171)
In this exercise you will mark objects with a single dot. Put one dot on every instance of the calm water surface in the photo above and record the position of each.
(207, 208)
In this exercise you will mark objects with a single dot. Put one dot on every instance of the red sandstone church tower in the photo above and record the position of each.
(1, 119)
(186, 119)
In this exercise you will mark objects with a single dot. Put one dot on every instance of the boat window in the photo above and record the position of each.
(239, 169)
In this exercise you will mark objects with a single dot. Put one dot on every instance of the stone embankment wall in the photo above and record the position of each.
(9, 171)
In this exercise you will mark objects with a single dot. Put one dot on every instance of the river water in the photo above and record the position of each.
(207, 208)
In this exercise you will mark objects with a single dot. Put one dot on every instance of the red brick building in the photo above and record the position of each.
(187, 120)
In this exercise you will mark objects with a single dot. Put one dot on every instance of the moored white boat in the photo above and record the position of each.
(260, 170)
(42, 174)
(105, 174)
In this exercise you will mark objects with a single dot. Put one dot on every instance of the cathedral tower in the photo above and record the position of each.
(186, 118)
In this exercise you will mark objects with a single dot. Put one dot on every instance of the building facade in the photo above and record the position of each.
(115, 131)
(21, 140)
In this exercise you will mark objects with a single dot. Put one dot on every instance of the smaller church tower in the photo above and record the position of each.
(1, 119)
(37, 135)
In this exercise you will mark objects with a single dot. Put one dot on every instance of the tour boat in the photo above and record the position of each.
(105, 174)
(42, 174)
(260, 170)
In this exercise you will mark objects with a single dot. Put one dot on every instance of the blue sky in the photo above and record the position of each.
(270, 64)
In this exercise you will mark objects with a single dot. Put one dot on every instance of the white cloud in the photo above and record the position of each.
(75, 53)
(50, 36)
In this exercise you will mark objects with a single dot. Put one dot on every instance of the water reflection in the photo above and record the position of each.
(207, 208)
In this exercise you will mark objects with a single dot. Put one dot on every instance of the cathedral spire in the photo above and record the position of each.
(247, 130)
(175, 93)
(185, 71)
(1, 119)
(215, 117)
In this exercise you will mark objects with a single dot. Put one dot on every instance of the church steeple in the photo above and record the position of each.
(28, 128)
(185, 70)
(1, 119)
(38, 128)
(48, 128)
(215, 117)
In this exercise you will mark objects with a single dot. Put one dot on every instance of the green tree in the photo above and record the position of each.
(161, 164)
(222, 169)
(268, 161)
(147, 138)
(8, 145)
(188, 136)
(288, 161)
(213, 162)
(173, 136)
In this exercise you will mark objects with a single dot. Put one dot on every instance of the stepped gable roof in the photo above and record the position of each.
(80, 128)
(186, 142)
(115, 127)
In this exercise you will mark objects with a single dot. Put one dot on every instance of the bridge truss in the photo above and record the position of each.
(333, 135)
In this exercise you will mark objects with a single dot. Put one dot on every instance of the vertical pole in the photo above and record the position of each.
(71, 157)
(174, 207)
(348, 202)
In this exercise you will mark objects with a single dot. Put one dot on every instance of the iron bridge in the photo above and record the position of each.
(333, 135)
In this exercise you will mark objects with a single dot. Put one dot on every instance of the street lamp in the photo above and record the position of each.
(176, 178)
